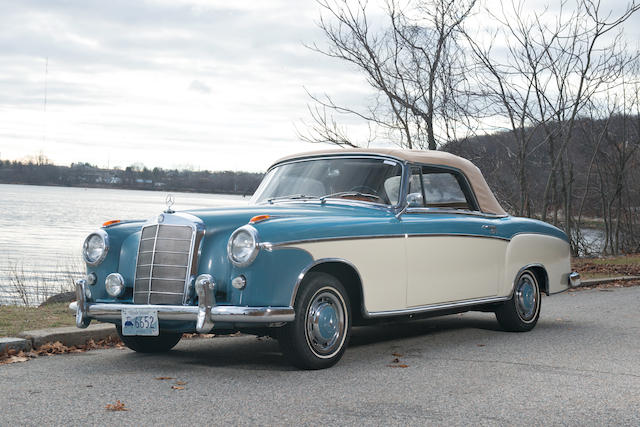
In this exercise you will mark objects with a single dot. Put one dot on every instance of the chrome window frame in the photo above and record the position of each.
(455, 172)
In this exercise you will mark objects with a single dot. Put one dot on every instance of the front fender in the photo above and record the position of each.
(271, 278)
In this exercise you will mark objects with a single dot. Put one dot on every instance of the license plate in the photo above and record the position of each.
(139, 321)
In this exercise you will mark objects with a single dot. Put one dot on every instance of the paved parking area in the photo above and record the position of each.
(579, 366)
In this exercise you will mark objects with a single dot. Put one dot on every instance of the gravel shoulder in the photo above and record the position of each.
(578, 366)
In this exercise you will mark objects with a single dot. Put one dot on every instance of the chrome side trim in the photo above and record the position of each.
(385, 236)
(320, 261)
(189, 313)
(435, 307)
(426, 210)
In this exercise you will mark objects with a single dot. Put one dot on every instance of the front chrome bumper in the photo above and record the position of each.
(204, 315)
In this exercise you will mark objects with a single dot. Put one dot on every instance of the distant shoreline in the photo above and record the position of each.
(135, 177)
(113, 187)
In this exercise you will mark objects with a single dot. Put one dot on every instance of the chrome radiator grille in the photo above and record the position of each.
(164, 264)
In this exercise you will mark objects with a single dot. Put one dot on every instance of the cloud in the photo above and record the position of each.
(198, 86)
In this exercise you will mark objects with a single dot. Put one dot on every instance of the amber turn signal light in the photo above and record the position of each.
(259, 218)
(113, 221)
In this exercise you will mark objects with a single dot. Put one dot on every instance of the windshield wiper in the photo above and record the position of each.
(341, 194)
(291, 197)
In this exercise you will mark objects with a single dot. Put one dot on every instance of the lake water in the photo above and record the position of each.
(42, 230)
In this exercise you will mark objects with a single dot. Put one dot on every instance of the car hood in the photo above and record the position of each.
(299, 220)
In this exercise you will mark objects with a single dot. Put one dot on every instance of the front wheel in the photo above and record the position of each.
(318, 336)
(521, 312)
(142, 344)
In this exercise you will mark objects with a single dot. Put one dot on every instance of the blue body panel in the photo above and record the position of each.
(272, 277)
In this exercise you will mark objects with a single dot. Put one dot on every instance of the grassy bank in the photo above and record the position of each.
(15, 319)
(595, 268)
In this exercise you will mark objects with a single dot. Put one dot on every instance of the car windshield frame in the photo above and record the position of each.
(322, 199)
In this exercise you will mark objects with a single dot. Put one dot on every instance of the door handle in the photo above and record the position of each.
(491, 228)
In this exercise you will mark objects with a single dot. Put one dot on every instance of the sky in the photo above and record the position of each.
(196, 84)
(201, 84)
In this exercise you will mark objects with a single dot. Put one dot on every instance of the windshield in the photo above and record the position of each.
(371, 180)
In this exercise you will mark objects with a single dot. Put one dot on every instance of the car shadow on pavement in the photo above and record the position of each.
(372, 334)
(243, 352)
(263, 354)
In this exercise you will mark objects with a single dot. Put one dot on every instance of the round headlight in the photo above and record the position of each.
(243, 246)
(114, 284)
(95, 247)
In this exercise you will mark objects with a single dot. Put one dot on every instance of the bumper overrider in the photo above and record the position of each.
(205, 314)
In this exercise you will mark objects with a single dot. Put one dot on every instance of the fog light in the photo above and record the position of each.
(239, 282)
(114, 283)
(91, 279)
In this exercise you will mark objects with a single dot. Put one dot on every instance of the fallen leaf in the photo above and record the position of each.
(480, 345)
(401, 365)
(396, 354)
(396, 360)
(181, 382)
(13, 359)
(175, 387)
(165, 378)
(118, 406)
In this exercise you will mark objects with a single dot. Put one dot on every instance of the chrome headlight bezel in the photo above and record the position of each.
(105, 239)
(118, 280)
(255, 246)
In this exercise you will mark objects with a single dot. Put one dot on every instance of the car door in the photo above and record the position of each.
(454, 252)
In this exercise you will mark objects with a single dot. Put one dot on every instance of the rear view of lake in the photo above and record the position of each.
(42, 230)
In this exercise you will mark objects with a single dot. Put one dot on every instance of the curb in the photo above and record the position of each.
(14, 343)
(68, 336)
(600, 281)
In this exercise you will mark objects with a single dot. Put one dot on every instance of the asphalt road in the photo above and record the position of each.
(579, 366)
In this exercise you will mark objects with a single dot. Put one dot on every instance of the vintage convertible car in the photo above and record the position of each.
(331, 239)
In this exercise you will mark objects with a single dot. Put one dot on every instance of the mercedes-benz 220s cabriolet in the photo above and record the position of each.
(330, 240)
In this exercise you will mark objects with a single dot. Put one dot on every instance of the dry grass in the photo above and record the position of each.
(15, 319)
(593, 268)
(32, 288)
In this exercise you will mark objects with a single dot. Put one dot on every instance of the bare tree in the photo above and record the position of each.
(415, 64)
(556, 63)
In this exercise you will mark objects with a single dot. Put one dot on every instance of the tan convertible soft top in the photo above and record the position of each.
(486, 199)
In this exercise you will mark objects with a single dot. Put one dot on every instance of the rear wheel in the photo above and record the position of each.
(160, 344)
(521, 312)
(318, 336)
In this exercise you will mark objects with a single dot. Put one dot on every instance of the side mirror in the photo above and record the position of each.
(414, 200)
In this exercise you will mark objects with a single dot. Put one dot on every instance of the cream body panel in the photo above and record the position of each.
(453, 268)
(550, 252)
(381, 263)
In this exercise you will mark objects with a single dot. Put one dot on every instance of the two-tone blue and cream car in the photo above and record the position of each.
(330, 240)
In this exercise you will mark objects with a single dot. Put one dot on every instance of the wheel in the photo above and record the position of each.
(521, 312)
(160, 344)
(318, 336)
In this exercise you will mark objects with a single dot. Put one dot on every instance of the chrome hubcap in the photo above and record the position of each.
(325, 323)
(527, 297)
